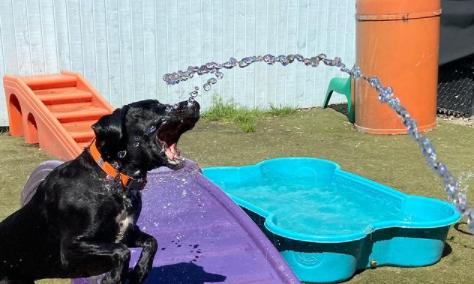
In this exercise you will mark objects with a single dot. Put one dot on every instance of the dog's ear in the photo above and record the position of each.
(109, 132)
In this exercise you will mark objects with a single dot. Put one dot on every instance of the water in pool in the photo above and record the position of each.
(309, 208)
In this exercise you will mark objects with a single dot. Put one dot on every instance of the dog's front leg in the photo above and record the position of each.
(149, 245)
(95, 258)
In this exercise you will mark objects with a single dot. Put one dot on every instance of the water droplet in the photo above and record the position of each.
(290, 58)
(299, 57)
(206, 87)
(168, 109)
(243, 64)
(227, 65)
(122, 154)
(441, 169)
(115, 165)
(248, 60)
(469, 215)
(386, 94)
(212, 81)
(314, 61)
(233, 61)
(425, 142)
(219, 75)
(328, 62)
(136, 138)
(346, 70)
(356, 73)
(321, 56)
(374, 82)
(269, 59)
(136, 144)
(152, 129)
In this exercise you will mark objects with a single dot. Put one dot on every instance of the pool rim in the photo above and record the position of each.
(271, 224)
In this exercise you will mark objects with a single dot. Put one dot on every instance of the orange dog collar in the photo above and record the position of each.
(110, 170)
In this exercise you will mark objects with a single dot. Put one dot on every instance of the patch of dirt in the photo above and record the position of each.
(465, 121)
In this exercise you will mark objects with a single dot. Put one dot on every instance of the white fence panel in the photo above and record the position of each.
(124, 47)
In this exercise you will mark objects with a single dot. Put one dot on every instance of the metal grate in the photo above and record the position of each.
(456, 91)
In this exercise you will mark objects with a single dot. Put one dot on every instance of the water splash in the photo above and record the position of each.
(465, 182)
(386, 95)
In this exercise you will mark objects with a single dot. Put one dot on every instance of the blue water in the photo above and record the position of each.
(310, 208)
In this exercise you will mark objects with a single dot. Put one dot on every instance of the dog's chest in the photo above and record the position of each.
(124, 221)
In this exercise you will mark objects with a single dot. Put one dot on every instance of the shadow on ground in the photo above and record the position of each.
(182, 273)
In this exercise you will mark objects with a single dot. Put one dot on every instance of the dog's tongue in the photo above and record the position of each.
(172, 152)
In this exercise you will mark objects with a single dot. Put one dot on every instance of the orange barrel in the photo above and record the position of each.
(397, 41)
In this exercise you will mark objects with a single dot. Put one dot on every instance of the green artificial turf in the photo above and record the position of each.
(395, 161)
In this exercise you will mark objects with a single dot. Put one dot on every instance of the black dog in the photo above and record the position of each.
(82, 218)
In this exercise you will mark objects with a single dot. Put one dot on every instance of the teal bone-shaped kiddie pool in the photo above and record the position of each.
(328, 223)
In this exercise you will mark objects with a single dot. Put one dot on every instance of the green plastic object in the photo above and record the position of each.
(343, 87)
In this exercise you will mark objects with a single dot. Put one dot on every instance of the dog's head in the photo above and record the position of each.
(143, 135)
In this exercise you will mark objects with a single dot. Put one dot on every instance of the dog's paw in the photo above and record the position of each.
(137, 276)
(108, 279)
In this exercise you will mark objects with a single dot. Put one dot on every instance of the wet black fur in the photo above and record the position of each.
(69, 228)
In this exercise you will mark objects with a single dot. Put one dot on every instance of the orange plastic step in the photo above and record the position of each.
(49, 81)
(80, 131)
(55, 111)
(63, 95)
(83, 145)
(77, 111)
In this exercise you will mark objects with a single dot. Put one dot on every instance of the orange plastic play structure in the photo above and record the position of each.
(54, 111)
(397, 41)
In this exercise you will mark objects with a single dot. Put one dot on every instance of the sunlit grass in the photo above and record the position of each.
(244, 117)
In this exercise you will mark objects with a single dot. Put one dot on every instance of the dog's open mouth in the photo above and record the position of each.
(168, 136)
(167, 139)
(181, 119)
(171, 151)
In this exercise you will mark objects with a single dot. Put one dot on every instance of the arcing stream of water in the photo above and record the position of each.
(386, 95)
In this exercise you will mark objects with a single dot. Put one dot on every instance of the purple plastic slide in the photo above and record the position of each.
(203, 236)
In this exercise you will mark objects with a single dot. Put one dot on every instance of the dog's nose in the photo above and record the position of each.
(190, 108)
(194, 106)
